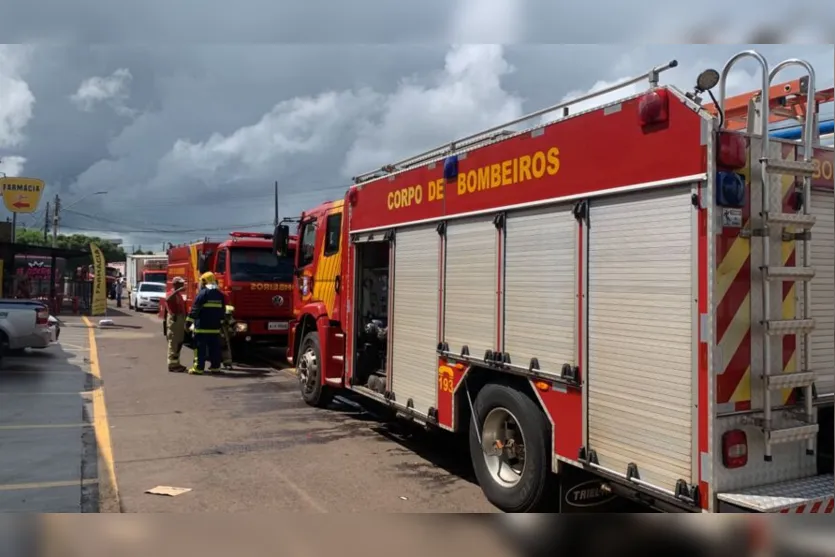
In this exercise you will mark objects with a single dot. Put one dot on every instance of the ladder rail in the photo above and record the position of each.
(652, 76)
(764, 151)
(808, 143)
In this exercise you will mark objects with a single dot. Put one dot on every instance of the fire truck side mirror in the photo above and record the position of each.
(281, 240)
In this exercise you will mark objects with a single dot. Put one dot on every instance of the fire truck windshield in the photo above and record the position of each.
(259, 264)
(155, 276)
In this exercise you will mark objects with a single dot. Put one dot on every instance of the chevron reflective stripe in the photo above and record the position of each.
(733, 310)
(826, 506)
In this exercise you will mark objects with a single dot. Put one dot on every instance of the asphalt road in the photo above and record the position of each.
(244, 441)
(48, 456)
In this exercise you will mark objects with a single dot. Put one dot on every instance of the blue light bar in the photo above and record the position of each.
(825, 127)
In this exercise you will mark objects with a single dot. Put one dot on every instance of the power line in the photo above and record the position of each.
(170, 232)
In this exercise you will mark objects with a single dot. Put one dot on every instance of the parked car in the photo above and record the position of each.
(147, 296)
(24, 324)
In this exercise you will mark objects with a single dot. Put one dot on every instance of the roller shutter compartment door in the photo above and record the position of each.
(470, 286)
(539, 310)
(823, 291)
(415, 317)
(640, 330)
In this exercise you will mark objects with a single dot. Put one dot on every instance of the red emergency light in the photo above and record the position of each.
(732, 152)
(261, 235)
(654, 108)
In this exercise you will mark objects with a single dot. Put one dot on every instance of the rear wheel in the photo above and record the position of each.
(510, 450)
(4, 346)
(309, 370)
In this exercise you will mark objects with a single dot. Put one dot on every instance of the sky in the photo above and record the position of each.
(187, 140)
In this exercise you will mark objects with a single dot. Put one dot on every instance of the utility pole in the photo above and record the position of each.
(275, 218)
(55, 212)
(46, 224)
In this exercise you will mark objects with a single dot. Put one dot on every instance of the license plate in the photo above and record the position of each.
(276, 326)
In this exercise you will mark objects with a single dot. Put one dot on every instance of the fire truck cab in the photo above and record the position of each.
(256, 282)
(646, 322)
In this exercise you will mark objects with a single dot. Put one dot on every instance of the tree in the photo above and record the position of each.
(34, 237)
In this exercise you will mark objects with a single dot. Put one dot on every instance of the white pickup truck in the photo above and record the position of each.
(24, 324)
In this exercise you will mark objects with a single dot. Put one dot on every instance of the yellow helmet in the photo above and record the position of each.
(207, 277)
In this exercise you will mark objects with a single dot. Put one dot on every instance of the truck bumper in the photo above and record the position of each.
(266, 331)
(41, 338)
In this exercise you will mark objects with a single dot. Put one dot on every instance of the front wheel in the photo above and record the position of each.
(509, 448)
(309, 370)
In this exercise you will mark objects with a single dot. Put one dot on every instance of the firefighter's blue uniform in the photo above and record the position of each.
(207, 314)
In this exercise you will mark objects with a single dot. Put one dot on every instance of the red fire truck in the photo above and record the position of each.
(256, 282)
(154, 271)
(646, 321)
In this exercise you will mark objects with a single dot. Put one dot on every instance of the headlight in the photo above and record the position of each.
(241, 327)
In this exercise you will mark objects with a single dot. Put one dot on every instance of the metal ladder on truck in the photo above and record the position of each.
(772, 170)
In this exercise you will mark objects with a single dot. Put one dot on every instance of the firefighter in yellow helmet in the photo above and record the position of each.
(206, 319)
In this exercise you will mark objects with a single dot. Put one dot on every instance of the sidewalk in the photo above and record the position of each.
(48, 461)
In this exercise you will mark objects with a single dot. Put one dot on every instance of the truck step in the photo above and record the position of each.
(793, 434)
(792, 219)
(789, 273)
(789, 326)
(790, 168)
(791, 380)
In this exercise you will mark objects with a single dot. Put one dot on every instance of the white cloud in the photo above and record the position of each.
(12, 165)
(113, 90)
(494, 21)
(16, 99)
(465, 97)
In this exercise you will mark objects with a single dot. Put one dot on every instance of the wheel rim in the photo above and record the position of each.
(503, 445)
(308, 370)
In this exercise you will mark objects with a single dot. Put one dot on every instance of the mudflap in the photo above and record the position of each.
(582, 492)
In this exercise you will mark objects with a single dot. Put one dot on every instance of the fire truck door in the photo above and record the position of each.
(642, 316)
(326, 277)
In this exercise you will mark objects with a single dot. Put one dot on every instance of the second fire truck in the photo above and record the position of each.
(256, 283)
(645, 321)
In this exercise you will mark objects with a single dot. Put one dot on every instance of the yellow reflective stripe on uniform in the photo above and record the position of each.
(189, 319)
(212, 305)
(207, 330)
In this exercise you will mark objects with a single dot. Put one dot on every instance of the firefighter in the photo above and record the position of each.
(175, 317)
(226, 337)
(205, 320)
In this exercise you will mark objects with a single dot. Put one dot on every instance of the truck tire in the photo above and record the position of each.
(309, 370)
(4, 346)
(507, 484)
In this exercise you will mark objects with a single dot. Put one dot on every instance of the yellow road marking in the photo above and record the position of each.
(109, 500)
(42, 426)
(46, 485)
